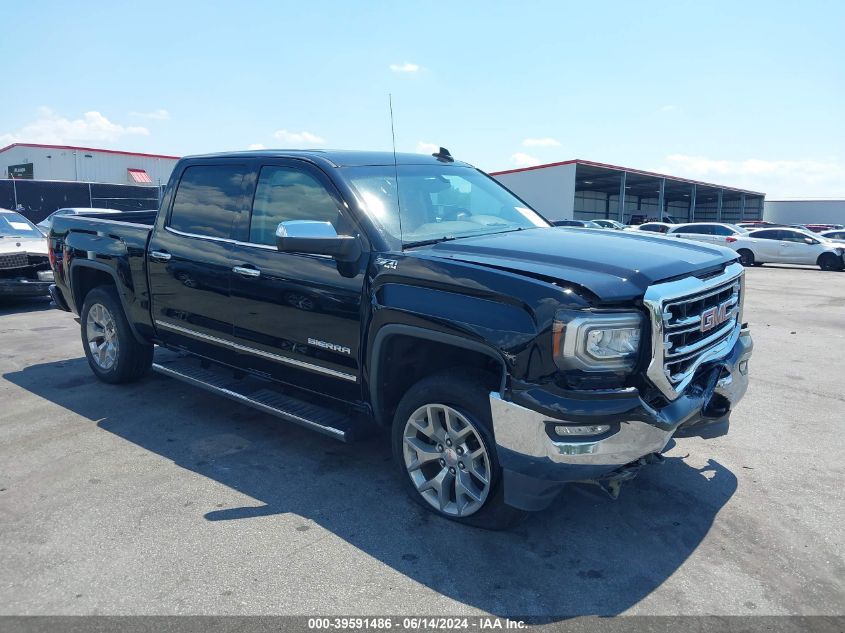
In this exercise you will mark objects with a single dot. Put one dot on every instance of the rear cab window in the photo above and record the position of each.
(207, 200)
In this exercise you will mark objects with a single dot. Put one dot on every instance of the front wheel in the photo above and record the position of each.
(444, 448)
(113, 353)
(828, 261)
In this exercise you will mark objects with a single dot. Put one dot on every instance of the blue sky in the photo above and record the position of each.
(748, 94)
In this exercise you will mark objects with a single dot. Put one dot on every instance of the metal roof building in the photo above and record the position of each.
(586, 190)
(31, 161)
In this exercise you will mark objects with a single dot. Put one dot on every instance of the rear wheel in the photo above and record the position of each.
(746, 257)
(444, 448)
(113, 353)
(829, 261)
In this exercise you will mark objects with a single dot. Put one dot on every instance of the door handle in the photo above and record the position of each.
(161, 256)
(246, 272)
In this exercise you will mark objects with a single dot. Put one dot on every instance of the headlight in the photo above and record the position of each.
(597, 342)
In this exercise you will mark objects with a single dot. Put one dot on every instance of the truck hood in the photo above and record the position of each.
(616, 266)
(33, 245)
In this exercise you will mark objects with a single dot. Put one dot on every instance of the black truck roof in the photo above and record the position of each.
(334, 157)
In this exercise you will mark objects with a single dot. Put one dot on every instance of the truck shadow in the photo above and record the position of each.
(586, 555)
(15, 305)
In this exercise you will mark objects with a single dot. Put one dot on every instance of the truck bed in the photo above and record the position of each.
(115, 243)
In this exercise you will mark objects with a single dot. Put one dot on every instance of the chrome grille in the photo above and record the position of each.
(684, 320)
(14, 260)
(693, 321)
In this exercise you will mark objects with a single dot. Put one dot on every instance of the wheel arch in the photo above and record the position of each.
(386, 387)
(87, 275)
(825, 255)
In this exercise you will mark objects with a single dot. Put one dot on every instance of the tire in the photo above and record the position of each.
(829, 261)
(421, 421)
(746, 257)
(119, 357)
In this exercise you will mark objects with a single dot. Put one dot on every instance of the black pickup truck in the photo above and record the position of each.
(347, 291)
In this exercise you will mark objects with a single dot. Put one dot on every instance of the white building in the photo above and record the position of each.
(84, 164)
(586, 190)
(806, 211)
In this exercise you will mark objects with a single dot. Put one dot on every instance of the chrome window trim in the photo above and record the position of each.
(659, 295)
(226, 240)
(257, 352)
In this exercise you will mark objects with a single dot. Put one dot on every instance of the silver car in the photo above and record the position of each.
(47, 222)
(718, 233)
(24, 265)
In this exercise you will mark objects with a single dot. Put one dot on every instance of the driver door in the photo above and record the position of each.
(794, 248)
(297, 316)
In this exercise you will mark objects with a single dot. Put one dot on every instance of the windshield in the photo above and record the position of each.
(438, 202)
(15, 225)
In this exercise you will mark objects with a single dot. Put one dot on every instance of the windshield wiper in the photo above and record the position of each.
(436, 240)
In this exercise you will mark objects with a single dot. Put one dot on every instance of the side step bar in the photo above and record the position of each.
(254, 393)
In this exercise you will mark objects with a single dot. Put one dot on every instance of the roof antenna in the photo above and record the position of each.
(396, 171)
(444, 155)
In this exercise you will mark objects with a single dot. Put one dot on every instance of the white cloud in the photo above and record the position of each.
(407, 67)
(524, 160)
(51, 128)
(541, 142)
(427, 148)
(156, 115)
(778, 178)
(256, 146)
(298, 138)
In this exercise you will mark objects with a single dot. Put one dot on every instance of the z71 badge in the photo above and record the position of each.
(389, 264)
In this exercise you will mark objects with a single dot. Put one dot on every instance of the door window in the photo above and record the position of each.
(795, 236)
(287, 193)
(766, 235)
(207, 200)
(700, 229)
(721, 230)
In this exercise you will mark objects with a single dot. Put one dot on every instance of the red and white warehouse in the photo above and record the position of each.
(586, 190)
(31, 161)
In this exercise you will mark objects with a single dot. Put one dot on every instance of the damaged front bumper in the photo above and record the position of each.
(538, 461)
(24, 287)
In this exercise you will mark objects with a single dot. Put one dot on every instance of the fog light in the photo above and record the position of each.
(45, 275)
(589, 429)
(743, 367)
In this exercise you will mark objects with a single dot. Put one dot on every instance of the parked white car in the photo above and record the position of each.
(48, 221)
(652, 227)
(609, 224)
(710, 232)
(837, 235)
(788, 246)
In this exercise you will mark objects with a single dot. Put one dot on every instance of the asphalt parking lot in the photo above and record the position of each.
(160, 498)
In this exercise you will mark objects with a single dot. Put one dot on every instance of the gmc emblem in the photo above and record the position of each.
(714, 316)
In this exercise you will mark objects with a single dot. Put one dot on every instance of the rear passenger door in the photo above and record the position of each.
(766, 245)
(189, 260)
(297, 315)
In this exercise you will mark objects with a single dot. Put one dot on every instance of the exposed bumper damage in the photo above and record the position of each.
(24, 275)
(538, 461)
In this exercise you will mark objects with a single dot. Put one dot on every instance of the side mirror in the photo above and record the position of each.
(810, 240)
(316, 238)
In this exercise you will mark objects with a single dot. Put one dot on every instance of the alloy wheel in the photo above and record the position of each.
(100, 328)
(446, 460)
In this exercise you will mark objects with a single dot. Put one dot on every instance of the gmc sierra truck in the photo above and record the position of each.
(347, 291)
